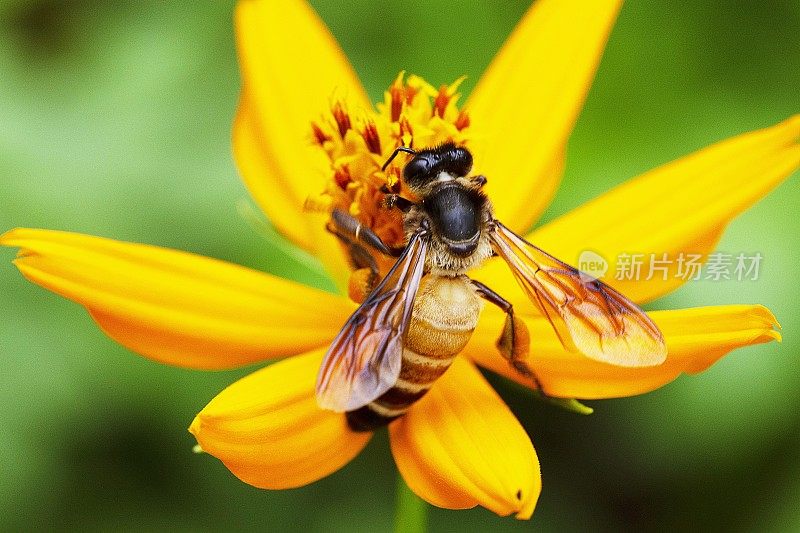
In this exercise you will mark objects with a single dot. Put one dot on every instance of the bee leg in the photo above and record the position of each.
(361, 283)
(350, 230)
(365, 276)
(365, 268)
(514, 340)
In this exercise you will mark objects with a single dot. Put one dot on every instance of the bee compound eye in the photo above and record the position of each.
(416, 171)
(462, 161)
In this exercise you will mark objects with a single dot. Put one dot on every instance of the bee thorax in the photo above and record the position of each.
(441, 260)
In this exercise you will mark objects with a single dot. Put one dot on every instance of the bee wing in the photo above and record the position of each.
(364, 359)
(588, 315)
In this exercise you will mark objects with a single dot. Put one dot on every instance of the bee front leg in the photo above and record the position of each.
(349, 229)
(514, 340)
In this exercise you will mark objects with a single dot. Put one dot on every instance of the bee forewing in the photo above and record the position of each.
(359, 374)
(588, 315)
(364, 359)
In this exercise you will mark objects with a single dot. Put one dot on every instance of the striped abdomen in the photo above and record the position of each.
(445, 314)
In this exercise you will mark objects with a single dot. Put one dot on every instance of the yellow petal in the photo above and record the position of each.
(696, 338)
(525, 105)
(282, 93)
(460, 446)
(269, 431)
(177, 307)
(272, 188)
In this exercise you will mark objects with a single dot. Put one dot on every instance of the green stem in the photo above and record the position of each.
(411, 513)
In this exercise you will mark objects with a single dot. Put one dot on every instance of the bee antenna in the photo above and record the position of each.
(394, 154)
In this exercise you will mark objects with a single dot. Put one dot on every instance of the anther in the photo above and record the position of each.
(396, 93)
(342, 118)
(462, 121)
(442, 99)
(320, 136)
(371, 138)
(405, 128)
(342, 177)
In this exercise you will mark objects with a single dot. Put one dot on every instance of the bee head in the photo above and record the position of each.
(449, 201)
(446, 160)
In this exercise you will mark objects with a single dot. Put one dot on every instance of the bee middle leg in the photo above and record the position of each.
(514, 340)
(365, 276)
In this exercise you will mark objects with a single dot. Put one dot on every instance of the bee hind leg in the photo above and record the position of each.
(514, 341)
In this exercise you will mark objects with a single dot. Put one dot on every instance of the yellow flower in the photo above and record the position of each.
(306, 137)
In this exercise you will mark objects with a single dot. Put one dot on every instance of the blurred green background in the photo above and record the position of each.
(114, 121)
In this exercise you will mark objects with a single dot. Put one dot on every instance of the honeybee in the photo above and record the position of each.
(415, 320)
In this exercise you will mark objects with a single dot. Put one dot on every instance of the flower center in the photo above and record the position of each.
(413, 114)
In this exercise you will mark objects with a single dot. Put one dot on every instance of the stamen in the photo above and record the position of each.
(411, 93)
(396, 97)
(393, 184)
(406, 130)
(342, 118)
(320, 136)
(342, 177)
(441, 101)
(372, 138)
(412, 114)
(462, 121)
